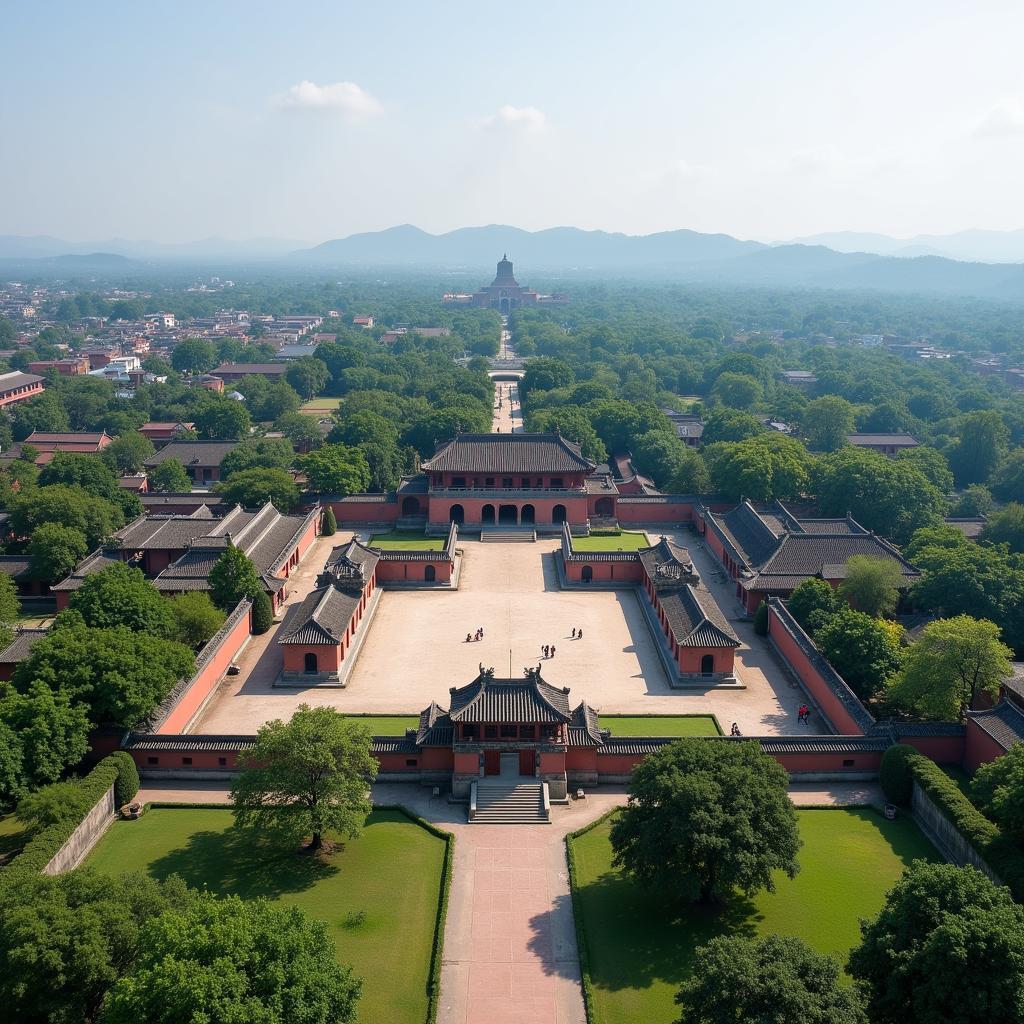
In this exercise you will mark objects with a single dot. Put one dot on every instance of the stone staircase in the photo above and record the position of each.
(507, 802)
(509, 536)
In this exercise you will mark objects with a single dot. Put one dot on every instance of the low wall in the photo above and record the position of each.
(830, 693)
(85, 837)
(185, 702)
(661, 508)
(944, 835)
(353, 511)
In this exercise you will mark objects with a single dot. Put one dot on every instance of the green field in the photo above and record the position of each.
(406, 542)
(392, 872)
(13, 836)
(640, 950)
(661, 725)
(319, 405)
(627, 540)
(387, 725)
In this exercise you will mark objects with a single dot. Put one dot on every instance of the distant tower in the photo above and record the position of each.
(505, 278)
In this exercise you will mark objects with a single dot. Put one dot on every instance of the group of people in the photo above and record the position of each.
(803, 713)
(735, 730)
(577, 634)
(478, 635)
(549, 650)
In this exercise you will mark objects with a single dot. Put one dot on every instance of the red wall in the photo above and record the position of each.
(842, 721)
(412, 569)
(941, 749)
(979, 747)
(653, 512)
(365, 511)
(205, 680)
(620, 572)
(328, 657)
(575, 508)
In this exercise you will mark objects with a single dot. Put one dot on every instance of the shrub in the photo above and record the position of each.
(330, 523)
(262, 613)
(127, 785)
(896, 774)
(761, 619)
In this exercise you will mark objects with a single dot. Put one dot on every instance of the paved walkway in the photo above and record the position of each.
(508, 414)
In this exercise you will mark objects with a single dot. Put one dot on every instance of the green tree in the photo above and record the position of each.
(1008, 481)
(227, 959)
(54, 804)
(947, 946)
(865, 651)
(253, 488)
(119, 674)
(545, 374)
(224, 420)
(777, 978)
(195, 617)
(737, 390)
(690, 476)
(10, 606)
(975, 500)
(872, 585)
(931, 463)
(194, 355)
(888, 496)
(66, 939)
(170, 476)
(827, 421)
(262, 613)
(980, 449)
(1006, 527)
(812, 602)
(95, 518)
(336, 469)
(730, 425)
(54, 551)
(128, 452)
(89, 473)
(330, 523)
(705, 819)
(45, 413)
(232, 578)
(303, 431)
(52, 731)
(308, 376)
(261, 453)
(954, 660)
(760, 468)
(307, 777)
(998, 789)
(574, 424)
(120, 595)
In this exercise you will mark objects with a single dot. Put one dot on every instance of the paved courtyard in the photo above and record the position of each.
(416, 650)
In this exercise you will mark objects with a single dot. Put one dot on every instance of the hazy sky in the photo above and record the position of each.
(180, 120)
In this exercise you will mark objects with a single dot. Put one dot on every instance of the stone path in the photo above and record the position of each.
(508, 416)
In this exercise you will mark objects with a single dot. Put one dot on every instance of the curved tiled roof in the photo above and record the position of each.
(321, 618)
(585, 728)
(696, 620)
(508, 453)
(1004, 723)
(487, 699)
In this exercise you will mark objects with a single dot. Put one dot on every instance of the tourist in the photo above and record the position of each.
(552, 650)
(735, 730)
(468, 638)
(546, 649)
(574, 632)
(579, 634)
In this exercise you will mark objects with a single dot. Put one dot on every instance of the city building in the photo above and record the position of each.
(16, 386)
(886, 444)
(236, 371)
(201, 459)
(505, 293)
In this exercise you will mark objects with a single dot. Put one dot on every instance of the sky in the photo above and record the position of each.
(172, 121)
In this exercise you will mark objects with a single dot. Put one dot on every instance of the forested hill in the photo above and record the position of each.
(682, 255)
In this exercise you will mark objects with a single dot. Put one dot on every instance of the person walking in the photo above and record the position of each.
(552, 650)
(545, 649)
(574, 632)
(579, 634)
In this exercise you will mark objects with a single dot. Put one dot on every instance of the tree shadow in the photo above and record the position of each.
(543, 928)
(242, 861)
(635, 936)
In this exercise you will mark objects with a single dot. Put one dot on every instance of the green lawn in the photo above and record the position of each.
(387, 725)
(640, 950)
(406, 542)
(321, 405)
(392, 872)
(627, 540)
(661, 725)
(13, 836)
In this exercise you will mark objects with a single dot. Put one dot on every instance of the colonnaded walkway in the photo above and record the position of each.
(510, 954)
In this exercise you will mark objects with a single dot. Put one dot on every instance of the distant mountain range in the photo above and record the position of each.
(848, 261)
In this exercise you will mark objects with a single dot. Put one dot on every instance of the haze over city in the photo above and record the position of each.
(304, 122)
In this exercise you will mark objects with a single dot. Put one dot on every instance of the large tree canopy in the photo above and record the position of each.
(120, 595)
(706, 818)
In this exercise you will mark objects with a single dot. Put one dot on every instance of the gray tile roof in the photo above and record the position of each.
(249, 369)
(20, 648)
(17, 379)
(585, 728)
(802, 554)
(1004, 723)
(15, 566)
(907, 440)
(435, 728)
(667, 564)
(509, 453)
(696, 620)
(487, 699)
(192, 453)
(321, 618)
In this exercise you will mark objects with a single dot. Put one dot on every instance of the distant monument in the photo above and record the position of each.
(505, 293)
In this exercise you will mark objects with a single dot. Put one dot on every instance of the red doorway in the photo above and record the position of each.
(526, 762)
(492, 762)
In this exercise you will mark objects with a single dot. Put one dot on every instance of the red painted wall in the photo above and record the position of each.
(365, 511)
(204, 681)
(412, 569)
(200, 759)
(941, 749)
(812, 680)
(653, 512)
(575, 508)
(619, 572)
(979, 747)
(328, 657)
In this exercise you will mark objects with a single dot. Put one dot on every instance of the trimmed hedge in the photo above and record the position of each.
(896, 775)
(437, 953)
(127, 785)
(44, 845)
(999, 851)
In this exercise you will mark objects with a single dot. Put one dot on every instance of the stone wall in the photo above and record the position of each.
(85, 837)
(944, 836)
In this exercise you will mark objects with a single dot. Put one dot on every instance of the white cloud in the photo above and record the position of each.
(345, 98)
(525, 119)
(1004, 119)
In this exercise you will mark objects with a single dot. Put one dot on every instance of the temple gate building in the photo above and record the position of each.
(504, 293)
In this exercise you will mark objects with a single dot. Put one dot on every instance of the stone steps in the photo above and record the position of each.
(509, 803)
(508, 536)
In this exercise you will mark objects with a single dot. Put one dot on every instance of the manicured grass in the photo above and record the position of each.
(392, 872)
(640, 949)
(387, 725)
(321, 405)
(627, 540)
(406, 542)
(661, 725)
(33, 620)
(13, 837)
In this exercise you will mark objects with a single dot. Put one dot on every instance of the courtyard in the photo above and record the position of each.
(640, 949)
(377, 894)
(416, 648)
